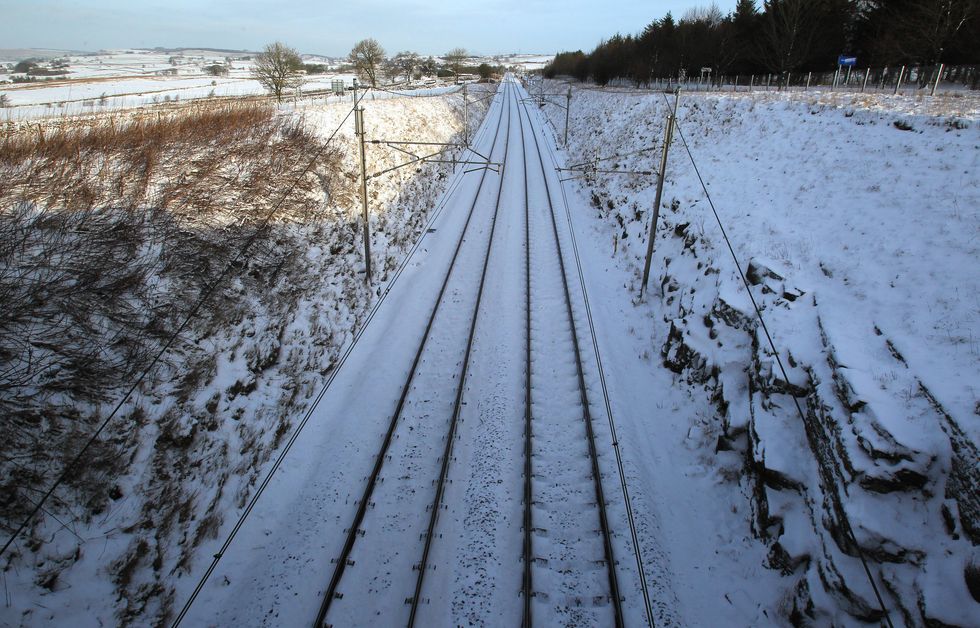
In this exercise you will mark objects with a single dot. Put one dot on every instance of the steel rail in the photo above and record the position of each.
(457, 405)
(342, 561)
(527, 583)
(615, 597)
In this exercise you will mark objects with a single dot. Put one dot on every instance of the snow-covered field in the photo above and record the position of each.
(856, 220)
(122, 79)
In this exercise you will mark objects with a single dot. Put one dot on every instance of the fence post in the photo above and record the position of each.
(939, 76)
(881, 83)
(751, 81)
(867, 73)
(735, 84)
(898, 84)
(809, 75)
(768, 81)
(359, 131)
(833, 85)
(668, 135)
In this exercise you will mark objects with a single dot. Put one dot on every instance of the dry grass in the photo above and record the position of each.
(147, 131)
(110, 230)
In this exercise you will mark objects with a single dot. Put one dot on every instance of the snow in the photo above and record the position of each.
(703, 565)
(124, 79)
(860, 242)
(264, 360)
(871, 234)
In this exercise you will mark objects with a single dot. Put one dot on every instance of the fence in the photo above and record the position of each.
(890, 79)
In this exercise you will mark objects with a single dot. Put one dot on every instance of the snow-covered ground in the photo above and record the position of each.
(856, 219)
(702, 564)
(265, 357)
(126, 79)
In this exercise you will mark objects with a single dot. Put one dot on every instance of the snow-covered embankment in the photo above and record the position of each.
(111, 236)
(855, 219)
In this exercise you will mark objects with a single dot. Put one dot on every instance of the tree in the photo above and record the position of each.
(922, 31)
(26, 66)
(428, 66)
(408, 62)
(278, 68)
(216, 70)
(788, 29)
(454, 59)
(366, 56)
(485, 71)
(391, 70)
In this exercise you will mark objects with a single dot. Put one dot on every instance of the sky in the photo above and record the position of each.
(330, 27)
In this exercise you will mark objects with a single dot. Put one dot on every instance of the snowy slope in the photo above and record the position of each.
(856, 221)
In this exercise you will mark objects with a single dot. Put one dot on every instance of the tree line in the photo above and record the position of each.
(280, 68)
(784, 36)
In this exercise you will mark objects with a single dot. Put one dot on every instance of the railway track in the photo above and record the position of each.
(435, 344)
(568, 574)
(566, 556)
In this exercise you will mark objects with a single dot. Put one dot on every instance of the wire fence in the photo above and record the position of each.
(898, 79)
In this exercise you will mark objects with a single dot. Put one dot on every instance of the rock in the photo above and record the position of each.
(971, 573)
(759, 271)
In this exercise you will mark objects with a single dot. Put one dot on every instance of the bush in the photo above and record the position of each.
(216, 69)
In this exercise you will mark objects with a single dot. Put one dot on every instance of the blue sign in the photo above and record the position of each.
(851, 61)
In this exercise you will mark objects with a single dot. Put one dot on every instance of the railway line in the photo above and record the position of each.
(459, 476)
(568, 570)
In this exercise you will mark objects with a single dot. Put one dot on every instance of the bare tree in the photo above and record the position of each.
(922, 31)
(367, 56)
(278, 68)
(788, 30)
(391, 70)
(427, 66)
(454, 59)
(710, 15)
(408, 61)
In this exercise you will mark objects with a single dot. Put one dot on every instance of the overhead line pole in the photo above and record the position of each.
(668, 135)
(359, 132)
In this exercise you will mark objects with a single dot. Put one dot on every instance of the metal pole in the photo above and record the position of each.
(751, 81)
(668, 135)
(847, 79)
(568, 105)
(466, 119)
(735, 84)
(901, 73)
(939, 76)
(867, 73)
(768, 81)
(833, 86)
(355, 97)
(881, 84)
(809, 75)
(359, 131)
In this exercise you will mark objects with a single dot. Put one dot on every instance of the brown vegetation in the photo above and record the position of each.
(110, 230)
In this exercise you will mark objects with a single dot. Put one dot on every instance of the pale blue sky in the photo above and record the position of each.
(329, 26)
